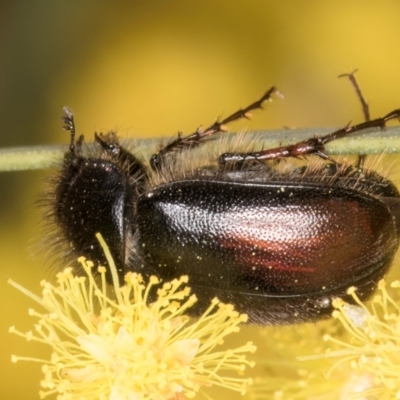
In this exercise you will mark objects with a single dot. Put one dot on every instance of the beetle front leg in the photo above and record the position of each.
(131, 164)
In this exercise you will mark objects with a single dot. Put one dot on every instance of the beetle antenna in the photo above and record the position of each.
(69, 125)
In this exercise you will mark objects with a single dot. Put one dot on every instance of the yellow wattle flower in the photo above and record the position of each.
(110, 343)
(373, 351)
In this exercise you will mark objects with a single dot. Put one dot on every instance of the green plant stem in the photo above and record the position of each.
(370, 142)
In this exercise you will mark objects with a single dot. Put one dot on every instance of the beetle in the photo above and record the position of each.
(277, 243)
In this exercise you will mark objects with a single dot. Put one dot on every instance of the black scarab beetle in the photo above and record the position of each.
(277, 243)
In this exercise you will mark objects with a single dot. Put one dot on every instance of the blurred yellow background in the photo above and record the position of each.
(151, 68)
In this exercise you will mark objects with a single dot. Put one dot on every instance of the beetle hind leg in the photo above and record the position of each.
(314, 145)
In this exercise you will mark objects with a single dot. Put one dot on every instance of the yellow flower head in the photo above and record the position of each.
(362, 361)
(372, 353)
(110, 343)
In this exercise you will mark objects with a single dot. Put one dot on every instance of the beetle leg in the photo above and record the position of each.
(200, 136)
(364, 105)
(130, 163)
(314, 145)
